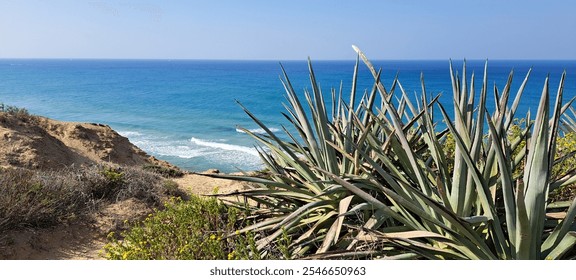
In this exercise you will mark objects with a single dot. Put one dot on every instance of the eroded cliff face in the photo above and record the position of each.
(41, 143)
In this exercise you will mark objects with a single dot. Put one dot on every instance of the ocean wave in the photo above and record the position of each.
(181, 151)
(258, 130)
(224, 146)
(197, 153)
(129, 133)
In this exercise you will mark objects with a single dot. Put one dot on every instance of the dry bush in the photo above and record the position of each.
(46, 198)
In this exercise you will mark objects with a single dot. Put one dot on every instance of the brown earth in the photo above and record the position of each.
(34, 142)
(40, 143)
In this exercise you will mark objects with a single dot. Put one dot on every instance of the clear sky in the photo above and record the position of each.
(289, 29)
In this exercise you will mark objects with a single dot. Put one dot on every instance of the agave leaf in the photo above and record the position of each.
(561, 230)
(353, 90)
(368, 107)
(381, 87)
(477, 140)
(536, 175)
(443, 184)
(523, 230)
(288, 224)
(302, 196)
(462, 229)
(342, 208)
(334, 231)
(455, 84)
(460, 173)
(308, 135)
(569, 121)
(285, 153)
(424, 249)
(516, 102)
(358, 208)
(263, 225)
(506, 180)
(476, 220)
(321, 123)
(481, 189)
(564, 181)
(566, 244)
(504, 99)
(372, 254)
(555, 122)
(412, 234)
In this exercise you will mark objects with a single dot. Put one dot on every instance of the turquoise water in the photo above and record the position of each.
(185, 111)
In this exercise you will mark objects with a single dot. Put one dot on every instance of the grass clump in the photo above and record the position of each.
(195, 229)
(19, 113)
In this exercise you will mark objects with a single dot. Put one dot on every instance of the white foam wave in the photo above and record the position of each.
(129, 133)
(258, 130)
(182, 152)
(224, 146)
(197, 153)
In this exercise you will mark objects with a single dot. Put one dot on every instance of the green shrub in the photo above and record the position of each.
(164, 171)
(113, 179)
(194, 229)
(172, 189)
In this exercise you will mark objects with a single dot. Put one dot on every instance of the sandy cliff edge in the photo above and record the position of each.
(35, 142)
(41, 143)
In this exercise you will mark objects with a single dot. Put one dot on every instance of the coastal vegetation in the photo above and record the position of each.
(18, 112)
(382, 176)
(196, 229)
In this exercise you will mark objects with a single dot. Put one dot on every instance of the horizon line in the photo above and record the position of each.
(280, 60)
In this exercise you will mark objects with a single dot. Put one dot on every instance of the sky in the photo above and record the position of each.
(287, 30)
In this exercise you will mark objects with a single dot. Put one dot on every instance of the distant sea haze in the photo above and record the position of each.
(185, 111)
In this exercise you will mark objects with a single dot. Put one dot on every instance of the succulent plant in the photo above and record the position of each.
(373, 178)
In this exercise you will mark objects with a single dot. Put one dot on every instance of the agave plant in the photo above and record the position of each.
(296, 196)
(374, 179)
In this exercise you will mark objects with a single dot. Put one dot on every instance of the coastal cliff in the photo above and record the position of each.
(35, 142)
(98, 178)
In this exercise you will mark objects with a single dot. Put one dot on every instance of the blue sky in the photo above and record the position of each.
(283, 30)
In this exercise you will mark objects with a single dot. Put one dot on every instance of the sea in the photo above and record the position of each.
(188, 112)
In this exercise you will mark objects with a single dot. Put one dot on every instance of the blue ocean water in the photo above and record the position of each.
(185, 111)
